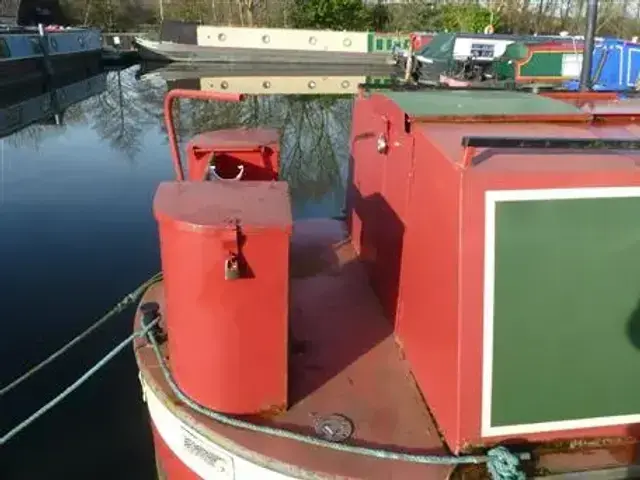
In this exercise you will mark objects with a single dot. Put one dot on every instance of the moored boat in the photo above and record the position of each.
(554, 61)
(189, 42)
(465, 56)
(374, 349)
(558, 64)
(269, 79)
(29, 52)
(165, 51)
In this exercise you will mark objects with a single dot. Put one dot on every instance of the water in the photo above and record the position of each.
(78, 234)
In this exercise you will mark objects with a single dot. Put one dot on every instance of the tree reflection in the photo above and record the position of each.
(120, 115)
(124, 112)
(315, 129)
(315, 133)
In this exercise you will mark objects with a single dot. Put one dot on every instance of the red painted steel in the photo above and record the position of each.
(169, 100)
(169, 466)
(243, 153)
(420, 39)
(417, 208)
(225, 256)
(379, 196)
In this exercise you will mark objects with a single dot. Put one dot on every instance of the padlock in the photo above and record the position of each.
(231, 268)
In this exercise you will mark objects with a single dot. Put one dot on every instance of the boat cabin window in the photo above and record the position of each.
(4, 49)
(482, 50)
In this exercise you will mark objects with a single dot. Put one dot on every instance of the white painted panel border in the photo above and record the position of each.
(492, 198)
(631, 53)
(202, 456)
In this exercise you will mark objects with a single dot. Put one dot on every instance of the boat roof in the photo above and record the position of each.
(449, 139)
(502, 36)
(439, 104)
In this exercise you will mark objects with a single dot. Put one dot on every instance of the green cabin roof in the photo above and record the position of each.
(477, 103)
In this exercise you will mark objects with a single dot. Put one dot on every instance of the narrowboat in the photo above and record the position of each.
(466, 56)
(27, 53)
(616, 66)
(185, 42)
(552, 61)
(474, 315)
(505, 345)
(269, 79)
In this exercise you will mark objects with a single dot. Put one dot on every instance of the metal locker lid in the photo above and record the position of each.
(237, 139)
(212, 206)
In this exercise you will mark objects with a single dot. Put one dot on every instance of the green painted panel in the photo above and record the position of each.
(478, 102)
(543, 64)
(380, 42)
(505, 70)
(567, 312)
(516, 51)
(378, 81)
(504, 66)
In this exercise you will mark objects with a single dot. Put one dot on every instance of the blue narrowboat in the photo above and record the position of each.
(615, 66)
(31, 52)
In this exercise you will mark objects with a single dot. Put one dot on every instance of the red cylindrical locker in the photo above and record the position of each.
(242, 153)
(225, 258)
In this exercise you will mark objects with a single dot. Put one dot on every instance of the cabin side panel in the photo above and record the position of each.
(428, 327)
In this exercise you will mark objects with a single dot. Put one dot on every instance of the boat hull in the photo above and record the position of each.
(22, 54)
(352, 367)
(319, 284)
(176, 52)
(183, 453)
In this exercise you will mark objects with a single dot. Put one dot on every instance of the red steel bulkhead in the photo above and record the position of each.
(225, 258)
(233, 154)
(416, 217)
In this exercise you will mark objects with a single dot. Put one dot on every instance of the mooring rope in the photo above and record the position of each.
(501, 463)
(118, 308)
(74, 386)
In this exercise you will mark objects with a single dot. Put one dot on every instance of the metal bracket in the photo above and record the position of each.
(214, 174)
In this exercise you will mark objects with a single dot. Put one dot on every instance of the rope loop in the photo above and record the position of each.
(504, 465)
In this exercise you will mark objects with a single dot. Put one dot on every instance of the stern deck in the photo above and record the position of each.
(343, 359)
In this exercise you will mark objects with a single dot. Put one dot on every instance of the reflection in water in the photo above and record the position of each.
(41, 109)
(315, 130)
(314, 143)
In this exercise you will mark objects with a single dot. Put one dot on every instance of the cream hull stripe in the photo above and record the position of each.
(202, 456)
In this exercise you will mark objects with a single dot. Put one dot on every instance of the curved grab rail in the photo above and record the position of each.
(169, 98)
(238, 176)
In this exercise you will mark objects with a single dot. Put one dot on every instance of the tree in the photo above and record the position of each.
(380, 17)
(247, 10)
(466, 18)
(331, 14)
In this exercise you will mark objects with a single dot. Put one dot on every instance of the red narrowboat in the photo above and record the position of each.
(475, 316)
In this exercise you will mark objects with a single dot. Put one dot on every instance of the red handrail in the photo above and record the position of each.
(168, 117)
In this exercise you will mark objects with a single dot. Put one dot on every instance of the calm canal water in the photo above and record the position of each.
(78, 234)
